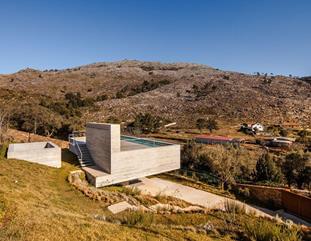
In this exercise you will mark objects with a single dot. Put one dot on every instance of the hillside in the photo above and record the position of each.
(37, 203)
(178, 92)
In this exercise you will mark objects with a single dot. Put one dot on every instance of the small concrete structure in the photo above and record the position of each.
(45, 153)
(119, 158)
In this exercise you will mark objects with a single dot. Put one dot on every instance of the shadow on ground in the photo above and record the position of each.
(69, 157)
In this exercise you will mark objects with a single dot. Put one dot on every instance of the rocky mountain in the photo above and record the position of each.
(178, 92)
(307, 79)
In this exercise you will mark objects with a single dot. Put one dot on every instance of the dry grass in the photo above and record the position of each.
(37, 203)
(41, 205)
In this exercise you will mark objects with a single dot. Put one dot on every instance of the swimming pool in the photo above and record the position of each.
(145, 142)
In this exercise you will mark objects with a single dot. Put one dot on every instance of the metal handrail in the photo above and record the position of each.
(74, 142)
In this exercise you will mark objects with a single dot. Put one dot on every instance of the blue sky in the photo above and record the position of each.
(272, 36)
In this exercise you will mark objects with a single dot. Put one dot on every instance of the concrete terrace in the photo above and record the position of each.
(125, 145)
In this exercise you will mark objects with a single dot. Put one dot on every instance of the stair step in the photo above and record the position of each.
(84, 156)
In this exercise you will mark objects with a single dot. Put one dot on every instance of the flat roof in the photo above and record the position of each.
(127, 146)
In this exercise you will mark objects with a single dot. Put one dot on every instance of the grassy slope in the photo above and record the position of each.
(40, 205)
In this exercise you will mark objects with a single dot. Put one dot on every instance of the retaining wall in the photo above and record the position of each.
(282, 198)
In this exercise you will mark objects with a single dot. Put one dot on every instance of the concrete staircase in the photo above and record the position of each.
(85, 159)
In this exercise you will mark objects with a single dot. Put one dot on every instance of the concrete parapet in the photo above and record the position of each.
(45, 153)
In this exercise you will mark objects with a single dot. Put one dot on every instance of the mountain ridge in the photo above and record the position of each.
(176, 91)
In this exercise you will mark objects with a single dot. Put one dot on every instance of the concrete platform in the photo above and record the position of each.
(45, 153)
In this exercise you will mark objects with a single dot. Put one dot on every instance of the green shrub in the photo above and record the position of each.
(145, 123)
(131, 191)
(263, 230)
(3, 149)
(137, 218)
(1, 211)
(266, 169)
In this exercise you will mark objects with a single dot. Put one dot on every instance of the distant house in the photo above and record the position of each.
(282, 142)
(252, 129)
(257, 127)
(206, 139)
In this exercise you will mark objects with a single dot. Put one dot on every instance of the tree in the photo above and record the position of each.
(34, 119)
(212, 124)
(146, 123)
(190, 154)
(201, 124)
(283, 132)
(224, 163)
(3, 120)
(266, 169)
(293, 167)
(304, 178)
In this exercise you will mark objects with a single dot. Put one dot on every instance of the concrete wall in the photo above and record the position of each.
(267, 195)
(282, 198)
(102, 140)
(129, 165)
(36, 152)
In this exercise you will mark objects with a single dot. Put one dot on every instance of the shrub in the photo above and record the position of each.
(101, 97)
(283, 132)
(212, 124)
(225, 163)
(263, 230)
(190, 154)
(137, 218)
(201, 123)
(266, 169)
(3, 149)
(131, 191)
(113, 120)
(145, 123)
(294, 168)
(234, 207)
(120, 95)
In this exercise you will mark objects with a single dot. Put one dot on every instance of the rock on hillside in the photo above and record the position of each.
(179, 92)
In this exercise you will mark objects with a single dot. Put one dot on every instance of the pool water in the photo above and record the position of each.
(146, 142)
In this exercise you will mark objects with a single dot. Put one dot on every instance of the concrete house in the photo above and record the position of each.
(109, 158)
